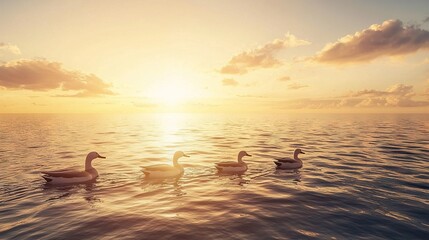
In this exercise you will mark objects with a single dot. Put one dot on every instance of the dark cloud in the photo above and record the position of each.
(398, 95)
(261, 57)
(9, 48)
(229, 82)
(42, 75)
(391, 38)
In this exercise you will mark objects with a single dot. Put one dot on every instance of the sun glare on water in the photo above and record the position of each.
(170, 94)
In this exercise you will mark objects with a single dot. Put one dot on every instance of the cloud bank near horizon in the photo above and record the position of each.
(398, 95)
(43, 75)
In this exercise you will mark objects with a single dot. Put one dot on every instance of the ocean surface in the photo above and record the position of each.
(364, 177)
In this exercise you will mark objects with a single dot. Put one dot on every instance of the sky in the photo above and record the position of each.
(214, 56)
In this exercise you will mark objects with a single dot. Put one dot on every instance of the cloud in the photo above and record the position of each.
(390, 38)
(284, 79)
(426, 93)
(9, 48)
(295, 86)
(261, 57)
(229, 82)
(39, 104)
(426, 20)
(42, 75)
(251, 96)
(398, 95)
(144, 105)
(310, 103)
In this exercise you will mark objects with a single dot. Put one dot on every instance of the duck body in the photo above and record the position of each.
(68, 176)
(230, 166)
(289, 163)
(165, 170)
(233, 167)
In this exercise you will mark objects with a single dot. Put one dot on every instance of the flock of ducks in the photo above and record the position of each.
(164, 170)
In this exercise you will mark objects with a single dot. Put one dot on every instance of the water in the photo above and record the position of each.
(364, 177)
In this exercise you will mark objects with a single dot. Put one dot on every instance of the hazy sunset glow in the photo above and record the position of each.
(218, 56)
(193, 119)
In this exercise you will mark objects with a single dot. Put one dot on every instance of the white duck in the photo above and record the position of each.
(68, 176)
(165, 170)
(234, 167)
(289, 163)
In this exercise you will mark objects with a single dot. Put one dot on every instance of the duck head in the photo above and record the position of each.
(242, 154)
(176, 157)
(91, 156)
(297, 151)
(179, 154)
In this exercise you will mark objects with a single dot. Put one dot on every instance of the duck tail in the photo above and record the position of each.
(218, 168)
(278, 164)
(47, 179)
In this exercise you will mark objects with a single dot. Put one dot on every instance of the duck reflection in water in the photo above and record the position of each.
(153, 185)
(61, 192)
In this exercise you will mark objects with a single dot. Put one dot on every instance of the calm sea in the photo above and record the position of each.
(364, 177)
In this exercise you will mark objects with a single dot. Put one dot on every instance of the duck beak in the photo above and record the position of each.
(302, 152)
(99, 156)
(185, 155)
(248, 155)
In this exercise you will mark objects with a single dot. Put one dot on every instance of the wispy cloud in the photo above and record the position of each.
(251, 96)
(426, 93)
(42, 75)
(144, 105)
(261, 57)
(229, 82)
(398, 95)
(9, 48)
(294, 86)
(284, 78)
(391, 38)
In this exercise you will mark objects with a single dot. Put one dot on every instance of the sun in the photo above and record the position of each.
(173, 87)
(170, 94)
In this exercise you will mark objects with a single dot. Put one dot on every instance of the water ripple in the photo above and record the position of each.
(364, 177)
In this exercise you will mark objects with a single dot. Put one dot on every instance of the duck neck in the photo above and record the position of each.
(240, 159)
(176, 162)
(295, 156)
(88, 164)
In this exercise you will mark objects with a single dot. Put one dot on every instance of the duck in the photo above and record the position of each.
(233, 167)
(67, 176)
(289, 163)
(165, 170)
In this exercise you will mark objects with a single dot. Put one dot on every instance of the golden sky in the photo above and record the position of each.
(214, 56)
